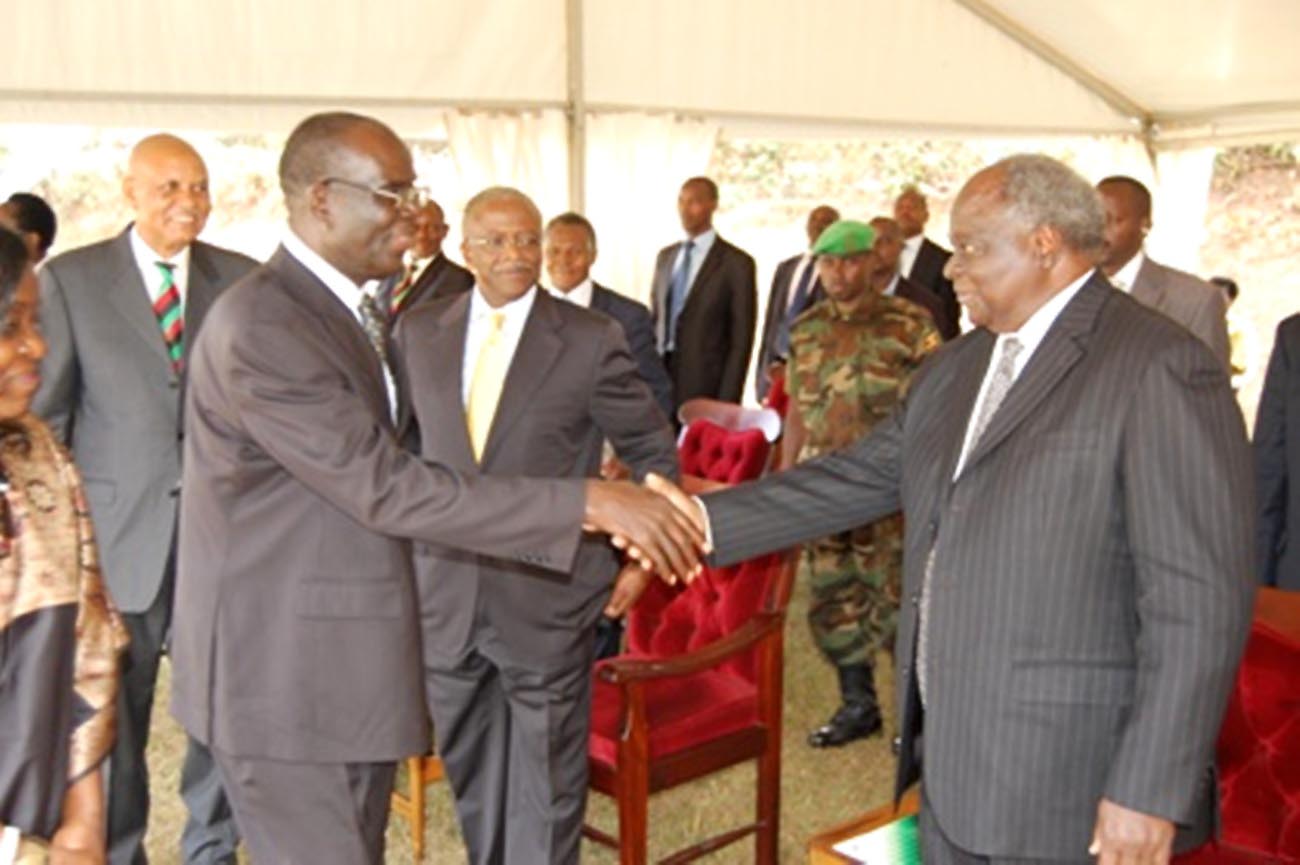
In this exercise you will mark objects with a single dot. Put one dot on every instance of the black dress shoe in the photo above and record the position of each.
(851, 721)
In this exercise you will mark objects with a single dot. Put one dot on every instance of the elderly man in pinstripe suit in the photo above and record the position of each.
(1077, 585)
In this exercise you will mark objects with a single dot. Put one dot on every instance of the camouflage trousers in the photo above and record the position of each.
(855, 579)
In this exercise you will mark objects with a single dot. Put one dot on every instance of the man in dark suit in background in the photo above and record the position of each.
(1188, 300)
(1277, 462)
(428, 273)
(886, 278)
(1078, 569)
(795, 287)
(705, 300)
(297, 649)
(570, 243)
(509, 380)
(922, 260)
(119, 317)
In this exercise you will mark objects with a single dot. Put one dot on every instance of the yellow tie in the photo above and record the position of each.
(485, 387)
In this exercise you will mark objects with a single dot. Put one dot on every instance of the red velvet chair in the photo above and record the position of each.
(707, 450)
(1259, 744)
(698, 689)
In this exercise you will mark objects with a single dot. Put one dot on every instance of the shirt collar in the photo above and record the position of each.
(1127, 275)
(914, 242)
(147, 258)
(580, 294)
(515, 311)
(340, 285)
(1031, 333)
(892, 288)
(702, 242)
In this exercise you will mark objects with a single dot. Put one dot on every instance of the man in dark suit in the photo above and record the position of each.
(1077, 584)
(1188, 300)
(1277, 462)
(795, 287)
(428, 273)
(570, 242)
(922, 260)
(886, 278)
(509, 380)
(120, 317)
(704, 300)
(297, 649)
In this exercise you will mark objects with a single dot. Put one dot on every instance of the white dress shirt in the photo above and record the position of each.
(480, 317)
(146, 260)
(343, 288)
(1030, 335)
(702, 243)
(1128, 274)
(805, 261)
(907, 257)
(580, 294)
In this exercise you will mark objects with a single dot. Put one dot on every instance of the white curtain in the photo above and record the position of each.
(524, 149)
(1182, 197)
(635, 165)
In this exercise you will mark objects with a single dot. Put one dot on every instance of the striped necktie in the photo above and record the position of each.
(402, 290)
(171, 317)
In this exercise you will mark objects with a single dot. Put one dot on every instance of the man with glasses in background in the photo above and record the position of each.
(297, 651)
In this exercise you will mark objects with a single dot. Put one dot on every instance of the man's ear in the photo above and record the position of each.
(1047, 243)
(318, 203)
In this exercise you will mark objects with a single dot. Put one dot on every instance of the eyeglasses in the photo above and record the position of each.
(497, 243)
(407, 197)
(968, 250)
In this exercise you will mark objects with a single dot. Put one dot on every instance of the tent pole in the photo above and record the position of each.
(576, 106)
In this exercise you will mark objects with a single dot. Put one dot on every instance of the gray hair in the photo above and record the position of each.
(1040, 190)
(499, 193)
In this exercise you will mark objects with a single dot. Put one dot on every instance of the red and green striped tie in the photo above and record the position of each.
(167, 306)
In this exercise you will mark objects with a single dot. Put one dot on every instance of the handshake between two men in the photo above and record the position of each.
(661, 528)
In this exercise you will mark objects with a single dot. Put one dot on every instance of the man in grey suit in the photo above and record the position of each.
(120, 317)
(297, 648)
(1077, 582)
(507, 646)
(1188, 300)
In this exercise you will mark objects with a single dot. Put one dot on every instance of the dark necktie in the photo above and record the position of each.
(677, 294)
(798, 303)
(171, 319)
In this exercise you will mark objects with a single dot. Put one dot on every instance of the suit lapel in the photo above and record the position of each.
(965, 388)
(540, 346)
(1062, 347)
(1147, 286)
(200, 293)
(710, 266)
(130, 297)
(444, 380)
(337, 320)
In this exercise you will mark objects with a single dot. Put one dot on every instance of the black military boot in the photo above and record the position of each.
(858, 717)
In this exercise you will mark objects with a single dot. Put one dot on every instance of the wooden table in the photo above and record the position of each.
(820, 848)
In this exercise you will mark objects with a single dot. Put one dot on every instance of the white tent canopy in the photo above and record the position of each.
(604, 105)
(1198, 70)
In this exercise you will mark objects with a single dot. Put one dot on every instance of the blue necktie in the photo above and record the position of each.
(797, 305)
(677, 295)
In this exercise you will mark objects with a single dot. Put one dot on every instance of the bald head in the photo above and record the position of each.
(328, 145)
(166, 185)
(820, 217)
(495, 195)
(888, 248)
(430, 231)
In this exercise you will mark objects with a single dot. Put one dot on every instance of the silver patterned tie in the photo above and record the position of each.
(372, 322)
(1003, 377)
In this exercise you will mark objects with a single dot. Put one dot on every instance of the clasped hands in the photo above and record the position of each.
(661, 529)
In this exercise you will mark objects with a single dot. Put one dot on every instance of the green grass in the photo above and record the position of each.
(819, 788)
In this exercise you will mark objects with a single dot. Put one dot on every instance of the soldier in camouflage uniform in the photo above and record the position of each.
(850, 357)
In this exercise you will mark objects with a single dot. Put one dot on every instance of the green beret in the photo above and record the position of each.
(844, 237)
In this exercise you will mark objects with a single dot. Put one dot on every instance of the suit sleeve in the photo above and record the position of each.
(1189, 527)
(326, 436)
(743, 314)
(1211, 324)
(766, 336)
(830, 494)
(640, 333)
(626, 412)
(55, 398)
(1270, 458)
